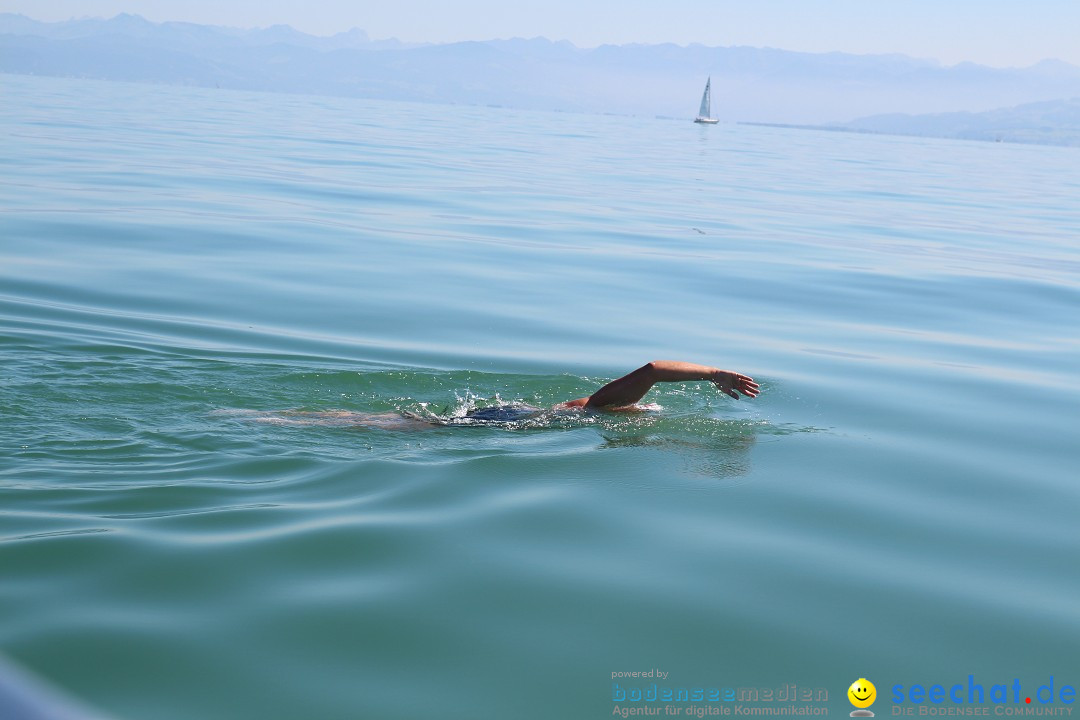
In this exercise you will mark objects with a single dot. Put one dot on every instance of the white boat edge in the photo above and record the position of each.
(707, 121)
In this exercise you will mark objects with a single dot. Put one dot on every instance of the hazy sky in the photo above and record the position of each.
(991, 32)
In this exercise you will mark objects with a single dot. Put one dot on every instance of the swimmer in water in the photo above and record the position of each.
(618, 395)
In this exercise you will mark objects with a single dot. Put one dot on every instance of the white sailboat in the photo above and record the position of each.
(705, 113)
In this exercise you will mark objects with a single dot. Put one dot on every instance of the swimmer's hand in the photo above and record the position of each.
(733, 383)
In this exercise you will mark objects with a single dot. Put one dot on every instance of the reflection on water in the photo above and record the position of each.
(719, 457)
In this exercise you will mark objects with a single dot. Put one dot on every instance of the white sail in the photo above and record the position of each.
(705, 113)
(706, 101)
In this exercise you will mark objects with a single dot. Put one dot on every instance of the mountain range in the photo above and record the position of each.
(1054, 122)
(749, 84)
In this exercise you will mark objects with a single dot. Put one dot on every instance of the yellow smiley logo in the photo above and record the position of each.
(862, 693)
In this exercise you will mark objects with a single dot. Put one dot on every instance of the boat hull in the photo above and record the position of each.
(706, 121)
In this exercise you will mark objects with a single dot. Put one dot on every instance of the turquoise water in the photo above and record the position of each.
(899, 504)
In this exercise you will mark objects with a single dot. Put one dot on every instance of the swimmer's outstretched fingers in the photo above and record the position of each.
(734, 383)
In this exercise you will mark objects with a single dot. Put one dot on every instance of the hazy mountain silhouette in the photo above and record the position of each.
(749, 84)
(1055, 122)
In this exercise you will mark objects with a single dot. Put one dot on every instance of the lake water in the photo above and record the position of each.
(899, 504)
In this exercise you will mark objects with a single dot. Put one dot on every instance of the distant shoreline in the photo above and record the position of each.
(895, 94)
(1070, 139)
(1062, 137)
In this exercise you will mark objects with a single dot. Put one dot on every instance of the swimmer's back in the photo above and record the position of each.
(501, 413)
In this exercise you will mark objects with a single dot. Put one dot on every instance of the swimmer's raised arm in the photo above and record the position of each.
(628, 389)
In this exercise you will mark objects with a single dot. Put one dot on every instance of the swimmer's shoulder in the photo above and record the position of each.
(583, 403)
